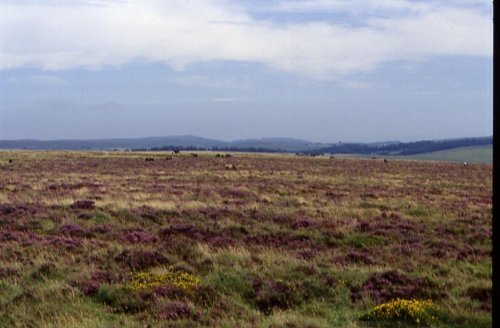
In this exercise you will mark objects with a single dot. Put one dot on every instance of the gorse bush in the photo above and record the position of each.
(418, 312)
(176, 278)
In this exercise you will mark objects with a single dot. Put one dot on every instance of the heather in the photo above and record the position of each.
(95, 239)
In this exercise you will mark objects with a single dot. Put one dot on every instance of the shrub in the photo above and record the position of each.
(138, 236)
(175, 278)
(140, 260)
(83, 204)
(46, 270)
(175, 311)
(122, 299)
(383, 287)
(422, 313)
(169, 292)
(86, 286)
(481, 295)
(270, 295)
(73, 230)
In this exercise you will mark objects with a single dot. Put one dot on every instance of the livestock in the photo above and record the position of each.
(150, 159)
(385, 160)
(168, 158)
(176, 152)
(194, 155)
(230, 167)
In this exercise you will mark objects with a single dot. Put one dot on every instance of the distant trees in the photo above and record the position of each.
(194, 148)
(409, 148)
(400, 148)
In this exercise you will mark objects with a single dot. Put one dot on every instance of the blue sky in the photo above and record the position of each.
(321, 70)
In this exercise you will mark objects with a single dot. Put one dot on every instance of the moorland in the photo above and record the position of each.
(132, 239)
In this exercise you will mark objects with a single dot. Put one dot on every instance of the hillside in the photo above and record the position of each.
(474, 154)
(409, 148)
(189, 142)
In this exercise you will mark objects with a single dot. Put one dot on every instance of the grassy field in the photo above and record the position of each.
(477, 154)
(159, 240)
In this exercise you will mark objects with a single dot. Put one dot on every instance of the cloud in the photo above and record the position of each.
(368, 7)
(358, 6)
(92, 34)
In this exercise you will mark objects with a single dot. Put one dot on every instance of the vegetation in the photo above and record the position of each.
(97, 239)
(404, 149)
(267, 145)
(416, 312)
(475, 154)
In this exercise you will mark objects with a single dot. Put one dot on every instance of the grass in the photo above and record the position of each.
(93, 239)
(472, 154)
(475, 154)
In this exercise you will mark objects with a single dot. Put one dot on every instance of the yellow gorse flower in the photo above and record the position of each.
(417, 311)
(179, 279)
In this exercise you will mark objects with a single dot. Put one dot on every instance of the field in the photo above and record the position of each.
(159, 240)
(476, 154)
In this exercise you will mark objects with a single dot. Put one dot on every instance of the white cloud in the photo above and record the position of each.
(369, 7)
(92, 34)
(358, 6)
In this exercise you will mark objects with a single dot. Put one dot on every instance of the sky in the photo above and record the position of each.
(319, 70)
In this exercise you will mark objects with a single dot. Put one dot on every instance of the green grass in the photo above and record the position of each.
(475, 154)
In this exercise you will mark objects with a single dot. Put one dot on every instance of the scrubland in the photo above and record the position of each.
(95, 239)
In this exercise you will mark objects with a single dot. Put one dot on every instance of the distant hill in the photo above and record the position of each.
(107, 144)
(163, 143)
(473, 154)
(287, 144)
(405, 149)
(190, 142)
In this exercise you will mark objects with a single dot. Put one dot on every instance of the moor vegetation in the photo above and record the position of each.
(112, 240)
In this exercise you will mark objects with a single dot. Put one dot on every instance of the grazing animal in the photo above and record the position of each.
(168, 158)
(332, 157)
(230, 167)
(194, 155)
(385, 160)
(176, 152)
(150, 159)
(10, 160)
(465, 164)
